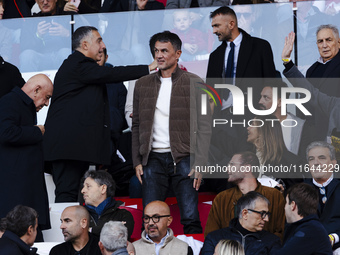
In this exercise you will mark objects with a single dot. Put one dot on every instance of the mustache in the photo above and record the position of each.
(262, 107)
(152, 226)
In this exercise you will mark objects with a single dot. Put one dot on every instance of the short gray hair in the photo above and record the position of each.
(328, 26)
(81, 33)
(114, 236)
(248, 201)
(323, 145)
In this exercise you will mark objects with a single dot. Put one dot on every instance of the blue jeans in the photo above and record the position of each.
(158, 174)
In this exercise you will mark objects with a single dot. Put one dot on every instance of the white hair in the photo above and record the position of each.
(114, 236)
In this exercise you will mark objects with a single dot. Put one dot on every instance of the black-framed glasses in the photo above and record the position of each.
(155, 218)
(323, 193)
(263, 213)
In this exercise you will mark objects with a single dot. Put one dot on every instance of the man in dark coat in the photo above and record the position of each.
(10, 77)
(322, 154)
(21, 230)
(21, 156)
(304, 232)
(78, 123)
(324, 75)
(248, 57)
(247, 228)
(98, 192)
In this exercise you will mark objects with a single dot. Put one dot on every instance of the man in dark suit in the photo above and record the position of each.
(322, 155)
(78, 122)
(21, 230)
(21, 157)
(319, 74)
(248, 57)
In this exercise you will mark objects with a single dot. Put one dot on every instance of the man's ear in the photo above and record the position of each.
(178, 54)
(104, 189)
(30, 230)
(279, 104)
(169, 221)
(83, 223)
(84, 45)
(293, 206)
(37, 89)
(101, 247)
(244, 214)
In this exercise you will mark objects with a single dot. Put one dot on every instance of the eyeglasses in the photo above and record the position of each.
(155, 218)
(263, 213)
(323, 193)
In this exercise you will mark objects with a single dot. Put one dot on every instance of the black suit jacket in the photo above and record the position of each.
(255, 60)
(78, 122)
(330, 216)
(329, 84)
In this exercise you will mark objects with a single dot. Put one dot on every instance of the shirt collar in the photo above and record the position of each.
(237, 40)
(320, 60)
(323, 184)
(163, 239)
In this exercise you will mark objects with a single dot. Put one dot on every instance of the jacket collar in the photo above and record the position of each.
(174, 76)
(21, 244)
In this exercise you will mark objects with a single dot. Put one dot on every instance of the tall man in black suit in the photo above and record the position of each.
(78, 121)
(248, 57)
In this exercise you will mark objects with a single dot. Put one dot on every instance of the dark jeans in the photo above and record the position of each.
(67, 175)
(159, 173)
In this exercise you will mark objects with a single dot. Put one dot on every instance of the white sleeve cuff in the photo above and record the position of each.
(336, 237)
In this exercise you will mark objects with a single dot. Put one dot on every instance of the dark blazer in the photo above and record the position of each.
(327, 83)
(330, 216)
(78, 122)
(10, 77)
(255, 60)
(21, 157)
(11, 244)
(306, 236)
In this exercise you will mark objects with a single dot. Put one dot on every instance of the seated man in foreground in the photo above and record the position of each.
(157, 237)
(75, 227)
(253, 213)
(113, 239)
(305, 233)
(21, 230)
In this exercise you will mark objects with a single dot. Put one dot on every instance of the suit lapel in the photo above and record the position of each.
(244, 54)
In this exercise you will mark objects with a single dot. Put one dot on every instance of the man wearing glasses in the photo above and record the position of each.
(322, 165)
(247, 227)
(304, 233)
(157, 237)
(243, 170)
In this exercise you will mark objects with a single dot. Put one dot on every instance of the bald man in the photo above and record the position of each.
(158, 237)
(75, 227)
(21, 157)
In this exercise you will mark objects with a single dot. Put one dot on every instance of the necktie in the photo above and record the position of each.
(229, 71)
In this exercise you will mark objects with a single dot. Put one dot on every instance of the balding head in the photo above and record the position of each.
(160, 212)
(75, 223)
(39, 88)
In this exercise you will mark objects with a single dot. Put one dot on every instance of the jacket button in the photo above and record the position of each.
(105, 126)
